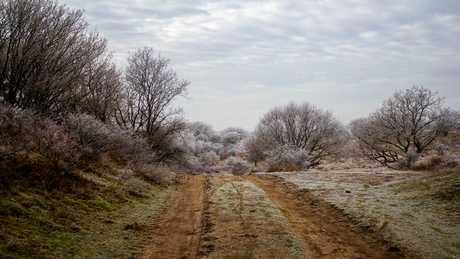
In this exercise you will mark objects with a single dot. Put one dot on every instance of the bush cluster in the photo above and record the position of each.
(35, 148)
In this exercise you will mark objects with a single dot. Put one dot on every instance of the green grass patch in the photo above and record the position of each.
(37, 224)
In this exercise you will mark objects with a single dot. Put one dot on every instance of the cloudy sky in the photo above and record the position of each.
(246, 57)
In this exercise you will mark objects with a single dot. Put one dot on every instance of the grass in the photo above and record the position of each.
(35, 223)
(418, 211)
(246, 223)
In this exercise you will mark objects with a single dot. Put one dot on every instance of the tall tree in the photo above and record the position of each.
(102, 86)
(151, 87)
(43, 50)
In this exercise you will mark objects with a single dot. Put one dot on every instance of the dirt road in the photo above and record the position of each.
(256, 217)
(179, 233)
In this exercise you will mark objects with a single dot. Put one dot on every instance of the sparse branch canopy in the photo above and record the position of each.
(102, 86)
(410, 120)
(151, 87)
(303, 126)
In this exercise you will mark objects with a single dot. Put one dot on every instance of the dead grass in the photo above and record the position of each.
(418, 211)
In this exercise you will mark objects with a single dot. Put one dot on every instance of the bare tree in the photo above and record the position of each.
(44, 48)
(102, 86)
(450, 121)
(303, 126)
(254, 148)
(409, 121)
(372, 142)
(150, 90)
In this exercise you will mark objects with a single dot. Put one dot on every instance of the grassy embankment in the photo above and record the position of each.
(93, 221)
(417, 211)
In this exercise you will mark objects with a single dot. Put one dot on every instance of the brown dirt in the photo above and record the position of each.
(178, 234)
(325, 232)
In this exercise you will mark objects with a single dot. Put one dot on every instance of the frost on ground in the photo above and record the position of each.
(244, 223)
(382, 200)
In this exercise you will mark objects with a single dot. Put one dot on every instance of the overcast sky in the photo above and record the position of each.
(246, 57)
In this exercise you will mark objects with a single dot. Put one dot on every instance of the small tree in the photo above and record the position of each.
(408, 122)
(254, 148)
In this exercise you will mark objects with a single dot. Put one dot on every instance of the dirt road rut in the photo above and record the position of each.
(179, 233)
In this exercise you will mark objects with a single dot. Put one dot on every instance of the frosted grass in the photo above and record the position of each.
(405, 218)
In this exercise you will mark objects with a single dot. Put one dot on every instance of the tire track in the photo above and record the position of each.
(180, 234)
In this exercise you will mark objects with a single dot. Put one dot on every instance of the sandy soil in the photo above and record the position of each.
(178, 233)
(323, 232)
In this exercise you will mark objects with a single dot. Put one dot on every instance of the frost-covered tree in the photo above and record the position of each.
(151, 87)
(200, 143)
(304, 126)
(150, 90)
(44, 50)
(409, 121)
(232, 140)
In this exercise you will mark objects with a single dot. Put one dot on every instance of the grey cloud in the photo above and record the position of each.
(330, 52)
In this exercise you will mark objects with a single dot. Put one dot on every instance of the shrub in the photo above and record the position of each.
(428, 163)
(408, 160)
(209, 158)
(287, 158)
(92, 135)
(35, 149)
(14, 131)
(154, 173)
(237, 167)
(52, 143)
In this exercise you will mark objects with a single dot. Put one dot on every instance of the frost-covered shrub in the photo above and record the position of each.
(53, 143)
(287, 158)
(92, 135)
(232, 141)
(200, 145)
(24, 131)
(408, 160)
(237, 167)
(231, 138)
(15, 129)
(95, 138)
(209, 158)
